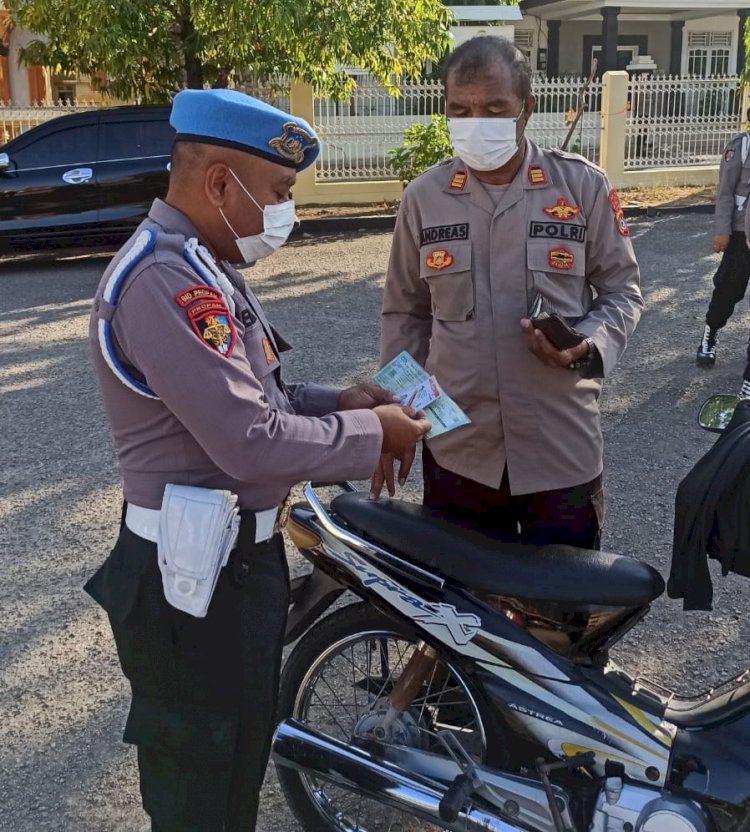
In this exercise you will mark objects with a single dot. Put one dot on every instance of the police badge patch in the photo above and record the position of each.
(562, 210)
(439, 259)
(293, 142)
(213, 324)
(561, 258)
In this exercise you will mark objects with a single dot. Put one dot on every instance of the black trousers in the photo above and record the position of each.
(204, 690)
(569, 515)
(730, 285)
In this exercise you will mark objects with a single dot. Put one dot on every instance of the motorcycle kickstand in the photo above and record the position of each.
(464, 784)
(545, 769)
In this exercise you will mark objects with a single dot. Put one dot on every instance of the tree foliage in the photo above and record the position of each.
(424, 146)
(148, 49)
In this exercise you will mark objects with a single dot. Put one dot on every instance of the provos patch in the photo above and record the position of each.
(212, 323)
(558, 231)
(444, 234)
(561, 258)
(194, 293)
(439, 259)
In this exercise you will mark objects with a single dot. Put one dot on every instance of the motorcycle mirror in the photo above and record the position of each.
(716, 412)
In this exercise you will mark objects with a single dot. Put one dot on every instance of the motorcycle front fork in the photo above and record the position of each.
(420, 667)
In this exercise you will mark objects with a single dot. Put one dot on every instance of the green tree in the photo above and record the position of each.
(424, 145)
(148, 49)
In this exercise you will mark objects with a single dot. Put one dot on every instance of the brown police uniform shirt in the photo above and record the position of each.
(223, 418)
(734, 186)
(462, 274)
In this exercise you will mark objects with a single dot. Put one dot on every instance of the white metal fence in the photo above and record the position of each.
(556, 106)
(357, 134)
(676, 122)
(16, 120)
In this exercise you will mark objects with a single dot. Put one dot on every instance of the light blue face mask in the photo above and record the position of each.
(278, 222)
(484, 143)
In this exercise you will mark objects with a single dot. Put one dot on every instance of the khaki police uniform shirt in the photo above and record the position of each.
(463, 272)
(734, 186)
(221, 421)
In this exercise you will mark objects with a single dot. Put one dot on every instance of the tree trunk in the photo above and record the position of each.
(222, 79)
(193, 65)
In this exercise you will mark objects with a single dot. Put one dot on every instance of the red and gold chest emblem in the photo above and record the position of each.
(439, 259)
(562, 210)
(561, 258)
(458, 181)
(537, 176)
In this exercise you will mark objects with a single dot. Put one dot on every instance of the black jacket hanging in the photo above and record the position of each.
(712, 515)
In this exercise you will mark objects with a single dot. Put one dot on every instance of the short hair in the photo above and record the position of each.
(472, 59)
(186, 156)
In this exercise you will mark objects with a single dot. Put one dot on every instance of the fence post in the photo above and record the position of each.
(614, 123)
(301, 104)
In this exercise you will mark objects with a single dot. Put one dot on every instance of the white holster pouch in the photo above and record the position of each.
(198, 528)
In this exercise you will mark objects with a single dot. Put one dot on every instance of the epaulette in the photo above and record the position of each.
(576, 157)
(142, 246)
(434, 167)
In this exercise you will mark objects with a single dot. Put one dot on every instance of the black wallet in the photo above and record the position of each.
(543, 316)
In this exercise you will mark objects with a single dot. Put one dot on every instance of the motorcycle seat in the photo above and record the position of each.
(514, 568)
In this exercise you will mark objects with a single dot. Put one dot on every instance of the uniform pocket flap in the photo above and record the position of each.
(556, 257)
(445, 259)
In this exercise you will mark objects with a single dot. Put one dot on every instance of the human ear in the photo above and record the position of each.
(215, 184)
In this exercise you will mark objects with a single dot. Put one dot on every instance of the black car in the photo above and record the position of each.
(85, 179)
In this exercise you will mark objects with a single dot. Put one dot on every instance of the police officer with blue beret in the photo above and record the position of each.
(210, 440)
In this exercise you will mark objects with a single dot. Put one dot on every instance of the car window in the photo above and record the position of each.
(67, 146)
(131, 139)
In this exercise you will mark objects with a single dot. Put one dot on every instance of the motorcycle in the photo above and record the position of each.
(471, 687)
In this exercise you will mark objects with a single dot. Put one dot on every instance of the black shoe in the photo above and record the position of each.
(706, 355)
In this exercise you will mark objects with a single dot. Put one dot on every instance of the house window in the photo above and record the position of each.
(524, 41)
(709, 53)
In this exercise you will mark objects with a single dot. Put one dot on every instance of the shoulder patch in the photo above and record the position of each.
(620, 221)
(194, 293)
(212, 323)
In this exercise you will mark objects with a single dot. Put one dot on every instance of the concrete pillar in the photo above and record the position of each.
(553, 48)
(614, 122)
(675, 53)
(610, 31)
(18, 77)
(302, 104)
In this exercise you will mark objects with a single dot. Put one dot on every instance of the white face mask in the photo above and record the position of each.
(278, 222)
(484, 143)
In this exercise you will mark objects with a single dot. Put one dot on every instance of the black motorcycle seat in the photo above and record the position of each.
(514, 569)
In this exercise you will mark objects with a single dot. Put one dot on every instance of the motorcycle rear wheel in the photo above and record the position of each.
(336, 680)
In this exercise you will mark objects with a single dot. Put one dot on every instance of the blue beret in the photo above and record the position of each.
(233, 119)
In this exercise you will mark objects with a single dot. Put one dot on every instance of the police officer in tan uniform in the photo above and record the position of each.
(730, 280)
(476, 239)
(189, 370)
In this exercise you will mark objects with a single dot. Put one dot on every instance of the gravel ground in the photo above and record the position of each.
(62, 699)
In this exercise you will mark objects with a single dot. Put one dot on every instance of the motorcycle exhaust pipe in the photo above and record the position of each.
(304, 749)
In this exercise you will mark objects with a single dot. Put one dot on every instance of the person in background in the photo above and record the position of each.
(730, 240)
